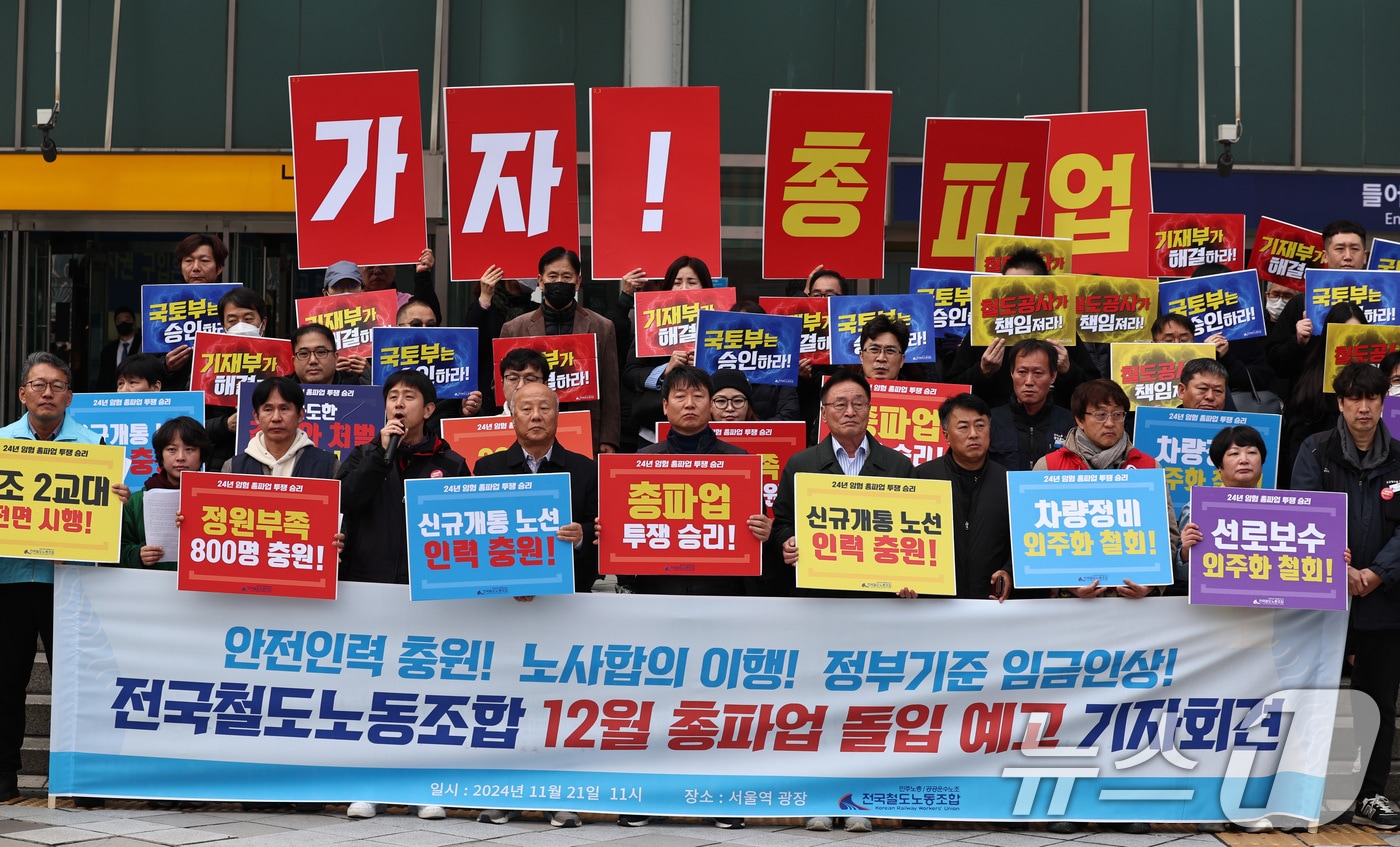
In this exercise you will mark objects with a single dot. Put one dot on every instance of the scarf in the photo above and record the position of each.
(1097, 457)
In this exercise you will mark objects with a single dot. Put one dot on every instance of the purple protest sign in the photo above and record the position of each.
(1390, 414)
(1269, 549)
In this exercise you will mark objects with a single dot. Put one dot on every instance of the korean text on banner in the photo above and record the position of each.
(698, 702)
(1115, 309)
(849, 315)
(171, 315)
(775, 441)
(1376, 292)
(1150, 374)
(1229, 304)
(904, 417)
(1020, 307)
(952, 298)
(1283, 253)
(130, 419)
(1348, 343)
(512, 176)
(1181, 243)
(763, 347)
(666, 319)
(1274, 549)
(1385, 255)
(495, 536)
(654, 178)
(993, 251)
(260, 535)
(1178, 440)
(816, 339)
(58, 501)
(447, 355)
(1070, 528)
(357, 151)
(472, 438)
(1099, 190)
(337, 418)
(224, 362)
(980, 175)
(869, 533)
(824, 182)
(573, 365)
(352, 318)
(680, 515)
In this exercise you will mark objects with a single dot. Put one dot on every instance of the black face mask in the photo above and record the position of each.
(558, 294)
(125, 328)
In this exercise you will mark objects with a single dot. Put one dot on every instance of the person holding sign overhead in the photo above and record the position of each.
(1030, 426)
(201, 257)
(643, 376)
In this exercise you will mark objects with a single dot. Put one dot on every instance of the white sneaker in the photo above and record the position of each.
(432, 813)
(820, 823)
(859, 824)
(497, 816)
(565, 819)
(362, 810)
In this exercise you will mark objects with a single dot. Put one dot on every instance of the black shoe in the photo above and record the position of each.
(89, 802)
(1065, 827)
(1133, 828)
(1376, 811)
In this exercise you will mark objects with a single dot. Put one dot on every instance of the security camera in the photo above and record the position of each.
(48, 149)
(1226, 162)
(1227, 135)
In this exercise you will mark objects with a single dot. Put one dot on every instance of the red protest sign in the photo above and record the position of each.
(357, 152)
(1181, 243)
(904, 417)
(222, 362)
(654, 174)
(981, 175)
(666, 320)
(351, 317)
(680, 515)
(824, 182)
(1283, 252)
(1098, 190)
(573, 363)
(775, 441)
(472, 438)
(512, 176)
(816, 341)
(273, 536)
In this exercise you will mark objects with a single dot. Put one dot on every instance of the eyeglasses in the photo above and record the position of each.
(513, 378)
(319, 352)
(1101, 417)
(874, 350)
(842, 406)
(729, 402)
(58, 386)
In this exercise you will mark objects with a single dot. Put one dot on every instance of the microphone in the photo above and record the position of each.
(393, 448)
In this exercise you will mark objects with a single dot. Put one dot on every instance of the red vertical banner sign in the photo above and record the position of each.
(654, 174)
(981, 175)
(357, 155)
(825, 182)
(512, 176)
(1098, 190)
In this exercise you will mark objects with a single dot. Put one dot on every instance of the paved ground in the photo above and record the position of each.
(30, 821)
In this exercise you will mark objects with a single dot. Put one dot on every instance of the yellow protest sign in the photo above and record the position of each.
(993, 251)
(1151, 373)
(870, 533)
(56, 501)
(1347, 343)
(1019, 307)
(1115, 308)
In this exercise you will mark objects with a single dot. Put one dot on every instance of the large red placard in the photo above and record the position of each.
(472, 438)
(1283, 253)
(573, 364)
(351, 317)
(904, 417)
(666, 320)
(222, 362)
(775, 441)
(1181, 243)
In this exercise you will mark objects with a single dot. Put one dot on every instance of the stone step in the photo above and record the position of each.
(40, 679)
(34, 757)
(37, 711)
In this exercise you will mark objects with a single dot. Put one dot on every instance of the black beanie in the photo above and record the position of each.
(730, 378)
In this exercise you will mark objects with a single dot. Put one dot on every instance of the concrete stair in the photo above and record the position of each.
(34, 758)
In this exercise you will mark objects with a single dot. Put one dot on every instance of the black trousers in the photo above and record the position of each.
(26, 615)
(1377, 672)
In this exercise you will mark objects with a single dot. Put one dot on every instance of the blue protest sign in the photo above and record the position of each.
(764, 347)
(1179, 441)
(1375, 292)
(130, 419)
(1069, 528)
(446, 355)
(850, 314)
(1231, 304)
(337, 418)
(494, 536)
(952, 298)
(172, 314)
(1385, 255)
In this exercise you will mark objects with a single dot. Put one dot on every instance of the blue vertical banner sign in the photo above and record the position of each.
(764, 347)
(1230, 304)
(1375, 292)
(952, 298)
(447, 355)
(850, 314)
(172, 314)
(1178, 440)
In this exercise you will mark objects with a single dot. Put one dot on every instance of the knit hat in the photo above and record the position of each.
(730, 378)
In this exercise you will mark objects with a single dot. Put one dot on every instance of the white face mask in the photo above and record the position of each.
(1394, 391)
(1274, 306)
(245, 329)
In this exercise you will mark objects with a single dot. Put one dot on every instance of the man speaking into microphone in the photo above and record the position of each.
(371, 481)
